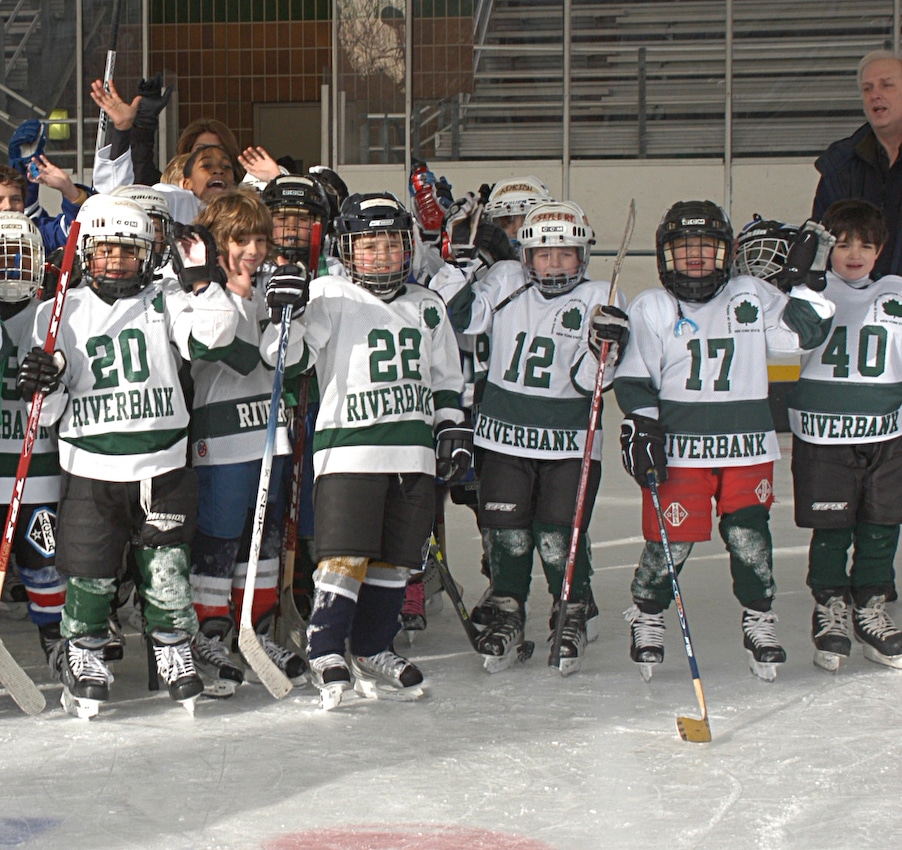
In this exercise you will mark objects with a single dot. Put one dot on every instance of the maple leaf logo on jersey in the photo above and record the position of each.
(572, 319)
(431, 317)
(158, 303)
(746, 313)
(892, 308)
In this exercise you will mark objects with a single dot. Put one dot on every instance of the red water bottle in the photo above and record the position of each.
(429, 213)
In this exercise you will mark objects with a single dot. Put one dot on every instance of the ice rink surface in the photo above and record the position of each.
(521, 760)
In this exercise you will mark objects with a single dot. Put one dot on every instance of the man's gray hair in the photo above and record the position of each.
(874, 56)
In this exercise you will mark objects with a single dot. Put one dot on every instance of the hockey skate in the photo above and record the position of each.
(592, 628)
(646, 636)
(115, 649)
(831, 630)
(502, 639)
(760, 639)
(387, 676)
(874, 628)
(290, 663)
(432, 586)
(331, 677)
(573, 639)
(210, 649)
(413, 614)
(78, 663)
(175, 666)
(485, 610)
(14, 599)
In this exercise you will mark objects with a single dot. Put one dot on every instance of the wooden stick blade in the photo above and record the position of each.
(24, 692)
(693, 730)
(290, 627)
(273, 679)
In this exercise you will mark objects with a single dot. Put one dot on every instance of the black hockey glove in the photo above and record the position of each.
(493, 244)
(40, 372)
(453, 451)
(154, 99)
(609, 324)
(806, 262)
(194, 256)
(288, 287)
(642, 448)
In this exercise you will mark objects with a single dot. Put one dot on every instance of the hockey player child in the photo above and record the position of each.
(228, 427)
(21, 276)
(546, 322)
(389, 377)
(112, 385)
(693, 385)
(847, 446)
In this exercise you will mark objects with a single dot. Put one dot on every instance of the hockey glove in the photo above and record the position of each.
(288, 287)
(154, 99)
(806, 262)
(26, 142)
(194, 256)
(40, 372)
(609, 324)
(493, 244)
(642, 448)
(453, 451)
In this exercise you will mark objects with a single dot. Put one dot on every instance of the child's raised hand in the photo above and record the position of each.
(122, 114)
(258, 163)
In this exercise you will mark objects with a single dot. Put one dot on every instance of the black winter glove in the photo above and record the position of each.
(453, 451)
(154, 99)
(642, 448)
(194, 256)
(40, 372)
(609, 324)
(806, 262)
(288, 287)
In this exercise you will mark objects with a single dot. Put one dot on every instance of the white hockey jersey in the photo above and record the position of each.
(121, 411)
(850, 387)
(702, 368)
(541, 374)
(388, 373)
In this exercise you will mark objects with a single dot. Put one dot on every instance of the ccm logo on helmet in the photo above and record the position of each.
(686, 221)
(551, 228)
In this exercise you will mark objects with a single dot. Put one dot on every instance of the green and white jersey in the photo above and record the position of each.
(121, 411)
(232, 395)
(388, 373)
(850, 387)
(541, 374)
(702, 368)
(42, 484)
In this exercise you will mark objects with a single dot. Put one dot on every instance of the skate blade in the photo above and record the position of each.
(497, 663)
(894, 661)
(330, 695)
(569, 666)
(80, 707)
(592, 629)
(763, 670)
(189, 704)
(370, 690)
(221, 689)
(646, 671)
(828, 661)
(693, 730)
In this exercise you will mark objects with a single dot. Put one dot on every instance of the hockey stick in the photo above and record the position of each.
(109, 69)
(275, 681)
(554, 660)
(690, 729)
(289, 622)
(12, 676)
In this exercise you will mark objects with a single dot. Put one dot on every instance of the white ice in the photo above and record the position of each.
(521, 760)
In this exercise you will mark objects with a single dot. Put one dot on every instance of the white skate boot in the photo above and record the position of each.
(332, 678)
(387, 676)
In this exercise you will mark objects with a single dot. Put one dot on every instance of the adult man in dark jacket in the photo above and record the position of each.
(866, 165)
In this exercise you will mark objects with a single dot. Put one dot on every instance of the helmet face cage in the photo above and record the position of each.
(154, 203)
(556, 225)
(685, 224)
(296, 203)
(516, 197)
(117, 225)
(22, 258)
(382, 218)
(762, 248)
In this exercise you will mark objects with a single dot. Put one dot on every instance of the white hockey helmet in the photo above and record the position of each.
(108, 220)
(762, 247)
(21, 256)
(556, 224)
(154, 203)
(516, 196)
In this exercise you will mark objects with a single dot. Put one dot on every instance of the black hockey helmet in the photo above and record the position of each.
(293, 193)
(373, 214)
(762, 246)
(335, 187)
(687, 220)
